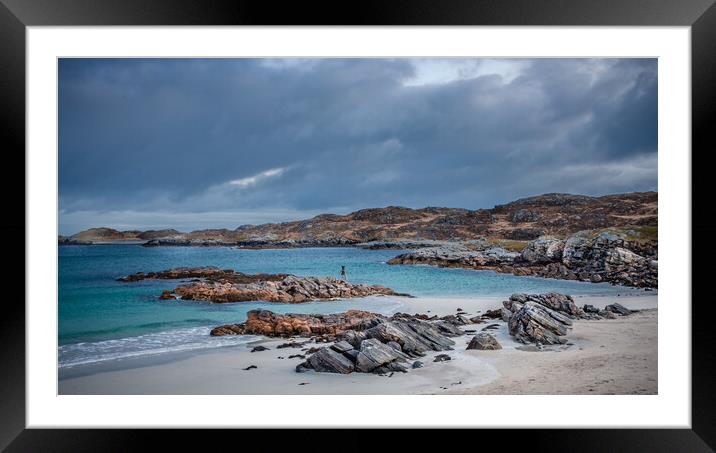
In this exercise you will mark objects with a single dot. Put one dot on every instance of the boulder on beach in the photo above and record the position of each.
(535, 323)
(484, 341)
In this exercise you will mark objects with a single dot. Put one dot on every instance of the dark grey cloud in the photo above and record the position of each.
(278, 139)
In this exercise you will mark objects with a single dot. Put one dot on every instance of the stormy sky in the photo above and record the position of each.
(217, 143)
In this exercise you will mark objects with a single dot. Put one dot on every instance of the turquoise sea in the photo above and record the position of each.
(101, 319)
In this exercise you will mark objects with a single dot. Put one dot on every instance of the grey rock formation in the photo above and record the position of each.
(374, 354)
(329, 361)
(535, 323)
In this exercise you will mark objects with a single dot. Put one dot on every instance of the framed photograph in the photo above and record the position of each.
(397, 224)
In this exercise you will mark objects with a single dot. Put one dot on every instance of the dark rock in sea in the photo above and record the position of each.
(484, 341)
(166, 295)
(259, 349)
(442, 358)
(297, 356)
(250, 367)
(418, 364)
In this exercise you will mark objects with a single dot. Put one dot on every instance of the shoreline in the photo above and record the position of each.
(598, 348)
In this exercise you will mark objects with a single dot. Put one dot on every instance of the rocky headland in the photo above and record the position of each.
(625, 256)
(361, 341)
(399, 227)
(226, 285)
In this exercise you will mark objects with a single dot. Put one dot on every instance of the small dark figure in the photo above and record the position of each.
(343, 272)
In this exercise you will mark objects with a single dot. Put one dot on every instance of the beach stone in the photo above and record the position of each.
(374, 354)
(442, 358)
(418, 364)
(329, 361)
(590, 309)
(259, 349)
(342, 346)
(484, 341)
(618, 309)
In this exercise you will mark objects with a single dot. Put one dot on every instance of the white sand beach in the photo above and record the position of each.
(616, 356)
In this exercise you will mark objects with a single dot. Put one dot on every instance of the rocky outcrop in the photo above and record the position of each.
(612, 255)
(290, 289)
(546, 318)
(386, 347)
(535, 323)
(212, 274)
(459, 255)
(270, 324)
(363, 341)
(226, 285)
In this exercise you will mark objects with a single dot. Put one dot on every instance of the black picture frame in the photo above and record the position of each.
(16, 15)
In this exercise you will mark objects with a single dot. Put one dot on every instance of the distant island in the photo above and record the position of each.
(554, 214)
(612, 238)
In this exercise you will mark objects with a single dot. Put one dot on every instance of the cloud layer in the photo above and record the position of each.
(281, 139)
